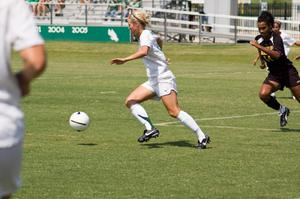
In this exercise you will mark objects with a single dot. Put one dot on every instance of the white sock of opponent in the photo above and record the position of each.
(188, 121)
(139, 112)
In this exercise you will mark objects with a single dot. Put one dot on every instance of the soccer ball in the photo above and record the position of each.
(79, 121)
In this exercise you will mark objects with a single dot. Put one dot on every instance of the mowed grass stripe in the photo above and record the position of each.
(249, 158)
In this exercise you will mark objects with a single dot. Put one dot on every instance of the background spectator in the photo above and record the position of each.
(59, 6)
(113, 9)
(135, 3)
(43, 7)
(83, 4)
(33, 4)
(132, 5)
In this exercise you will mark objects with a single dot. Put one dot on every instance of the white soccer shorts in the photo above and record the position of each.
(161, 88)
(10, 166)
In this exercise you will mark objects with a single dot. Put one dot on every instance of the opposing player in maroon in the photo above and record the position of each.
(282, 73)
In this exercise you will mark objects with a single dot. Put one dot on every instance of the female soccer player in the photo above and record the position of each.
(282, 73)
(161, 81)
(17, 32)
(287, 40)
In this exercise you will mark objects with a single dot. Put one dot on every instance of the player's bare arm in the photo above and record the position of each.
(258, 57)
(255, 60)
(159, 42)
(263, 64)
(142, 52)
(272, 53)
(297, 43)
(34, 63)
(297, 58)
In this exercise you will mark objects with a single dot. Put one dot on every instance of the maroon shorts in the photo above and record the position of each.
(288, 78)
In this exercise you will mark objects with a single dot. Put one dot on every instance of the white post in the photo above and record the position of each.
(295, 11)
(221, 7)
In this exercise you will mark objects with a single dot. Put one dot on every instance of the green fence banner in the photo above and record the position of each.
(86, 33)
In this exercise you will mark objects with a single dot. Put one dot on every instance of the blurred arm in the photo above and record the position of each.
(142, 52)
(297, 43)
(271, 53)
(34, 63)
(159, 42)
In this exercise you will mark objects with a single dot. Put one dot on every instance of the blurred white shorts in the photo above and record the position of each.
(161, 88)
(10, 166)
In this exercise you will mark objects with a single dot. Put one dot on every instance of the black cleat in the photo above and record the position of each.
(283, 113)
(203, 143)
(148, 134)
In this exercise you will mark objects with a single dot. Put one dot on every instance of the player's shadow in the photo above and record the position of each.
(180, 143)
(284, 97)
(87, 144)
(288, 130)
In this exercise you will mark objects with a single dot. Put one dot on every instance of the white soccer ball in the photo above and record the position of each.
(79, 121)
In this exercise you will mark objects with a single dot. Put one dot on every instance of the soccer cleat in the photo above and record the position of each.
(203, 143)
(283, 113)
(273, 95)
(148, 134)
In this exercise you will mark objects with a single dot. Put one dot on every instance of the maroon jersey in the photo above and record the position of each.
(275, 65)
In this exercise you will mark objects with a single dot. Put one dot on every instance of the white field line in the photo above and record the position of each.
(234, 127)
(224, 118)
(108, 92)
(241, 128)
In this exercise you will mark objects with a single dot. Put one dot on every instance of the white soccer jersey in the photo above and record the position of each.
(288, 41)
(17, 31)
(155, 62)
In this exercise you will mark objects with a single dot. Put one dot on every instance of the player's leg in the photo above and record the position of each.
(137, 96)
(294, 83)
(10, 165)
(266, 89)
(171, 103)
(265, 94)
(296, 92)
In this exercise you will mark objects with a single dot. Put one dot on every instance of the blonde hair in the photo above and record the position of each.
(140, 16)
(278, 23)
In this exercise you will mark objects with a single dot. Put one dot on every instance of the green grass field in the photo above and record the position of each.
(250, 157)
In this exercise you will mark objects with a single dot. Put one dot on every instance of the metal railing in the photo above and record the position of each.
(82, 14)
(177, 25)
(173, 25)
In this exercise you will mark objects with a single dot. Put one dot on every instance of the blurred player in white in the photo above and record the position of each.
(17, 31)
(288, 41)
(161, 82)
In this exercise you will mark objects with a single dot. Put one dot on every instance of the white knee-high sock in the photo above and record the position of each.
(139, 112)
(188, 121)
